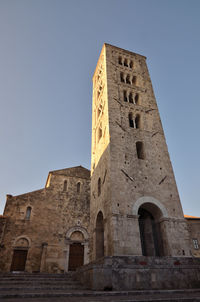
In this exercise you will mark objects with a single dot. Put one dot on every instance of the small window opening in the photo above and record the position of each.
(130, 98)
(137, 121)
(134, 80)
(136, 98)
(140, 150)
(28, 213)
(196, 244)
(65, 186)
(130, 117)
(125, 96)
(122, 77)
(99, 186)
(126, 63)
(131, 64)
(78, 187)
(128, 79)
(120, 60)
(99, 133)
(98, 112)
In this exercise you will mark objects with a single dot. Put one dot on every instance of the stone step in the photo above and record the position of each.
(39, 288)
(126, 296)
(32, 276)
(25, 282)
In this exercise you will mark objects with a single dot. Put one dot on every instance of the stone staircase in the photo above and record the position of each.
(63, 288)
(14, 285)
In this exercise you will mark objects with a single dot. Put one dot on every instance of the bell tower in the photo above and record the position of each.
(135, 205)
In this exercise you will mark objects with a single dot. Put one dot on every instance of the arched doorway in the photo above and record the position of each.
(150, 233)
(77, 248)
(20, 254)
(99, 236)
(76, 251)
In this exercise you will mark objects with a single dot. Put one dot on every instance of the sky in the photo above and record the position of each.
(48, 53)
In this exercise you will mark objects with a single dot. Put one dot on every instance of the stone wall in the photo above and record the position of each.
(141, 273)
(56, 212)
(194, 231)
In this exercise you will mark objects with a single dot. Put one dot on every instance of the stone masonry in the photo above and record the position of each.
(125, 213)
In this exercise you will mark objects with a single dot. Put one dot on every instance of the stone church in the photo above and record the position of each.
(126, 207)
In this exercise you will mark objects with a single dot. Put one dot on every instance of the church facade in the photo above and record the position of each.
(128, 205)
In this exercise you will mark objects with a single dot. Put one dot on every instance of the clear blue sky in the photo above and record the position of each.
(48, 53)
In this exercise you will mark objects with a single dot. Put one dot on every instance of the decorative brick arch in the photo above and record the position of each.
(151, 200)
(77, 229)
(69, 242)
(22, 237)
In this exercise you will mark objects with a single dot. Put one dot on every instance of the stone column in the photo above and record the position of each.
(86, 253)
(43, 257)
(66, 255)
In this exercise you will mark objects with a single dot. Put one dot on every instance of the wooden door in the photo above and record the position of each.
(76, 256)
(19, 260)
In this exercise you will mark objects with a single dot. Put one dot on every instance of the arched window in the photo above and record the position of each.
(140, 150)
(99, 186)
(130, 117)
(126, 63)
(122, 77)
(137, 121)
(130, 97)
(28, 213)
(120, 60)
(99, 236)
(136, 98)
(131, 64)
(134, 80)
(125, 96)
(128, 79)
(65, 185)
(78, 187)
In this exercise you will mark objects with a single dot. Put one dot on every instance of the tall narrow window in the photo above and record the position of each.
(134, 80)
(136, 98)
(120, 60)
(130, 97)
(65, 186)
(196, 244)
(28, 213)
(78, 187)
(99, 186)
(128, 79)
(125, 96)
(130, 117)
(126, 63)
(137, 121)
(140, 150)
(131, 64)
(122, 77)
(99, 132)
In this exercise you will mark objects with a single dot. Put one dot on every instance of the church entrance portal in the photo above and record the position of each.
(150, 234)
(19, 260)
(99, 236)
(76, 256)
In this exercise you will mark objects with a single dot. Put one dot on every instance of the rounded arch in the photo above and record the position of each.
(77, 229)
(21, 241)
(99, 235)
(149, 200)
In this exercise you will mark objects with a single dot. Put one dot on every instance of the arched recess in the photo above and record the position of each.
(77, 251)
(99, 236)
(20, 251)
(152, 200)
(150, 211)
